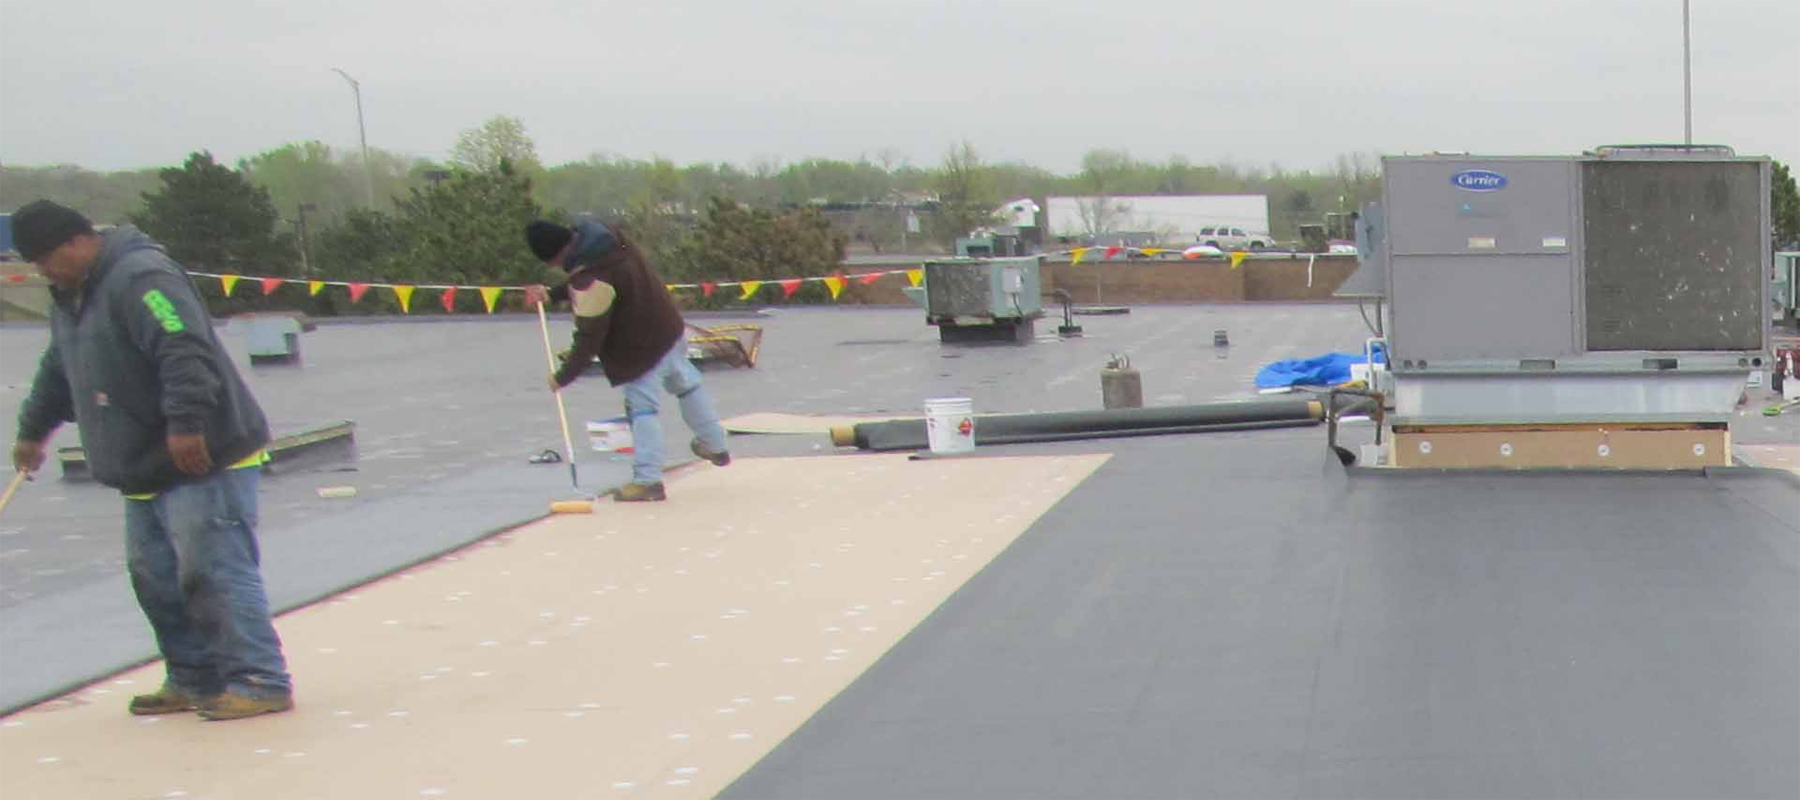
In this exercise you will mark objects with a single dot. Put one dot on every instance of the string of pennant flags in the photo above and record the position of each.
(1108, 253)
(490, 295)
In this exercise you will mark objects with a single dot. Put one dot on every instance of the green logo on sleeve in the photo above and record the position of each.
(164, 311)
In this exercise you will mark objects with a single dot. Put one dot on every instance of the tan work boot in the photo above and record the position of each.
(167, 700)
(719, 458)
(231, 705)
(639, 493)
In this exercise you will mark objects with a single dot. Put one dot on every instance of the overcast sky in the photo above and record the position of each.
(121, 84)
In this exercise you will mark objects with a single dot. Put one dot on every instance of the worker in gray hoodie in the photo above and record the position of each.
(165, 419)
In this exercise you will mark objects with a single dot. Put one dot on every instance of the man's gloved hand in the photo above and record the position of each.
(537, 294)
(27, 456)
(189, 452)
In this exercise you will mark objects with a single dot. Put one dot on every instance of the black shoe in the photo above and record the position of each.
(719, 458)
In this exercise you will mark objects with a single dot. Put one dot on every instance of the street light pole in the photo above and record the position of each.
(368, 177)
(1687, 78)
(305, 239)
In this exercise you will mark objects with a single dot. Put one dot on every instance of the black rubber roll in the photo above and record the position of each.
(909, 434)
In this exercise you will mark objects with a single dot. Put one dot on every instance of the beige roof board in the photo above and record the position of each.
(654, 650)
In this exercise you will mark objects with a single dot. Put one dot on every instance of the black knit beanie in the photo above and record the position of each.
(43, 226)
(547, 238)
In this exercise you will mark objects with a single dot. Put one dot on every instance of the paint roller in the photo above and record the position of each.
(572, 507)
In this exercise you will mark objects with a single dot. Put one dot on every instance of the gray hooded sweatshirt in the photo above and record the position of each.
(133, 358)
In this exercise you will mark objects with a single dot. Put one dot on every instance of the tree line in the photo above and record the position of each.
(303, 209)
(329, 182)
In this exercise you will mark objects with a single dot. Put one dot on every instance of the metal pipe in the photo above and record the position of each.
(1687, 78)
(909, 434)
(1370, 400)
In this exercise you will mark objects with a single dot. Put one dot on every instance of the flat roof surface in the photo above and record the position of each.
(1228, 614)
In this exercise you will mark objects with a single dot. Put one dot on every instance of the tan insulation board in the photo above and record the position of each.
(654, 650)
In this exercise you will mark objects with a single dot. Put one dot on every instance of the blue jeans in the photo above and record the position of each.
(643, 399)
(193, 560)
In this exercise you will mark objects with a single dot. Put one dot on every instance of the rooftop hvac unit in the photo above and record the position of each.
(975, 299)
(1627, 284)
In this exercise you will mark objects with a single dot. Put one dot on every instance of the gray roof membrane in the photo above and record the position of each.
(1211, 615)
(1237, 617)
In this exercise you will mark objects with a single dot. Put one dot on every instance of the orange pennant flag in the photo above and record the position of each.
(836, 285)
(228, 282)
(1237, 258)
(450, 300)
(489, 296)
(790, 286)
(403, 293)
(869, 278)
(707, 288)
(357, 290)
(750, 288)
(269, 285)
(1112, 251)
(915, 276)
(313, 288)
(1079, 253)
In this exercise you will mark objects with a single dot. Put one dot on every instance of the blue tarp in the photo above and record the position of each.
(1330, 369)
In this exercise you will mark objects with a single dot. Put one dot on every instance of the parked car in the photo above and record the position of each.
(1226, 237)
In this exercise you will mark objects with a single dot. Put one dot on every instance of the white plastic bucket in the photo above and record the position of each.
(611, 435)
(950, 424)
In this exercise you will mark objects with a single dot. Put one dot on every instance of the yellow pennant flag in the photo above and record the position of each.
(835, 284)
(228, 282)
(404, 295)
(1152, 251)
(1078, 253)
(915, 276)
(489, 296)
(313, 288)
(750, 288)
(1238, 258)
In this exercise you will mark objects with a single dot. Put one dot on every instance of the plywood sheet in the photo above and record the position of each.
(1772, 456)
(1654, 449)
(653, 650)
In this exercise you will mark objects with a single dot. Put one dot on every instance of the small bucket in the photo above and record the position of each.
(950, 424)
(610, 435)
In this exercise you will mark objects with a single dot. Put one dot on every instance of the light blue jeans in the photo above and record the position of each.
(194, 564)
(643, 399)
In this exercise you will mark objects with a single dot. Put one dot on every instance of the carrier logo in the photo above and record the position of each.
(1478, 180)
